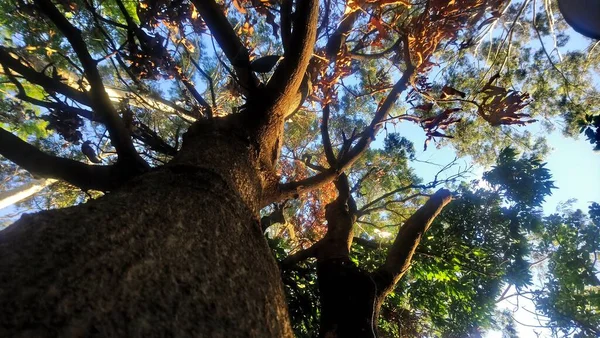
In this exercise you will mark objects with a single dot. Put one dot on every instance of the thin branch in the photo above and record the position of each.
(207, 77)
(360, 181)
(291, 189)
(359, 56)
(326, 140)
(39, 78)
(386, 195)
(195, 94)
(232, 46)
(365, 243)
(300, 256)
(143, 132)
(142, 36)
(101, 103)
(338, 38)
(364, 211)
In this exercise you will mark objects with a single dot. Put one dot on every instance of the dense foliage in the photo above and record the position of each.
(490, 246)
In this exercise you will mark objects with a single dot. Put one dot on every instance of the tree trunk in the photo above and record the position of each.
(348, 299)
(176, 252)
(348, 294)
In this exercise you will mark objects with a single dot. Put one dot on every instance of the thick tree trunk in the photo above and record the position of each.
(176, 252)
(348, 299)
(348, 294)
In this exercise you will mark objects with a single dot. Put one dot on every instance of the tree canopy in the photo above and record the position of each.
(96, 93)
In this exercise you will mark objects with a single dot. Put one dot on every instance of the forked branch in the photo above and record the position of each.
(223, 32)
(291, 189)
(100, 100)
(288, 76)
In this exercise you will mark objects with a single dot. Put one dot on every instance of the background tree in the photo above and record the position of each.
(184, 110)
(489, 246)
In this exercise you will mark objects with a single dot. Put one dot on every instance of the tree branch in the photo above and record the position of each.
(326, 140)
(101, 103)
(288, 76)
(223, 32)
(369, 134)
(400, 254)
(40, 164)
(338, 38)
(360, 181)
(286, 22)
(143, 132)
(364, 211)
(384, 196)
(48, 83)
(23, 192)
(365, 243)
(150, 138)
(302, 255)
(293, 189)
(274, 217)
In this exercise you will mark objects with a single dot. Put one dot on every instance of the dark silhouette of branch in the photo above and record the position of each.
(100, 100)
(206, 76)
(369, 207)
(359, 56)
(223, 32)
(365, 207)
(274, 217)
(300, 256)
(196, 95)
(143, 38)
(326, 140)
(338, 38)
(39, 78)
(150, 138)
(143, 133)
(365, 243)
(286, 23)
(385, 205)
(360, 181)
(40, 164)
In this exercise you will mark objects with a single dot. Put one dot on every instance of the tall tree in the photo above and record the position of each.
(190, 153)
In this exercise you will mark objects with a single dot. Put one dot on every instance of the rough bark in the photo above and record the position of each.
(175, 252)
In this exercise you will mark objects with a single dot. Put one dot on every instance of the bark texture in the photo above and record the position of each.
(175, 252)
(348, 294)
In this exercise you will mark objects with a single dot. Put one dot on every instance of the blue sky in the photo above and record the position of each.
(574, 166)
